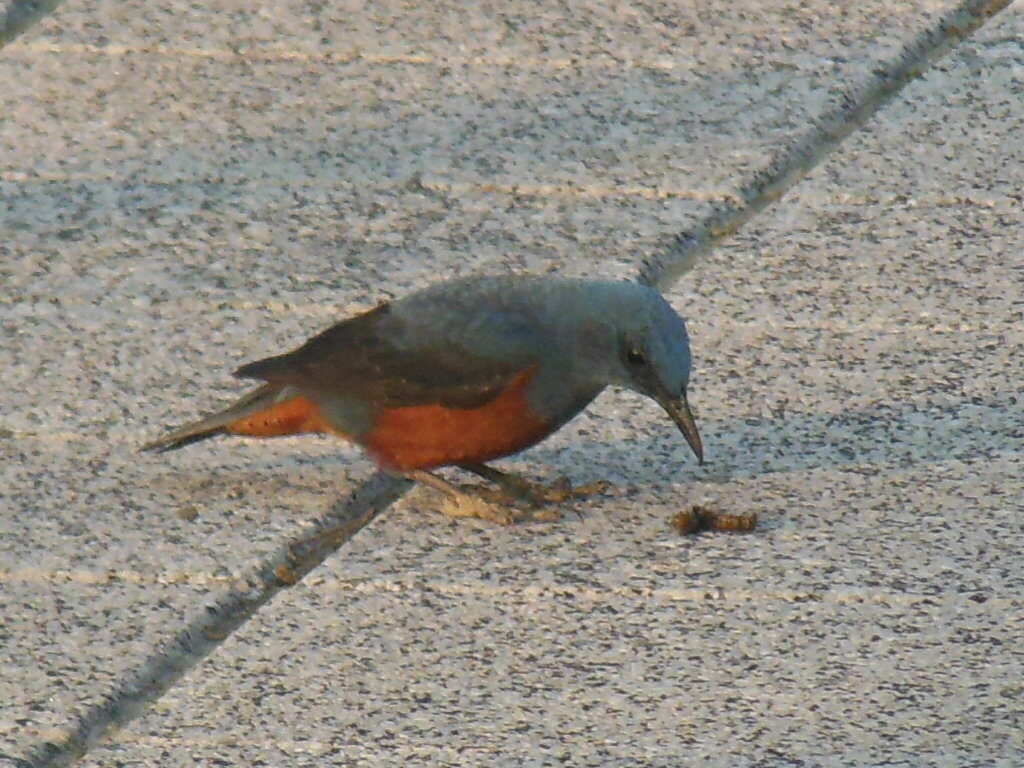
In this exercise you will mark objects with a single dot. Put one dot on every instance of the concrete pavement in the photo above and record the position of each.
(186, 190)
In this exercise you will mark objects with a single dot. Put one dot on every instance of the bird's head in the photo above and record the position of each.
(652, 357)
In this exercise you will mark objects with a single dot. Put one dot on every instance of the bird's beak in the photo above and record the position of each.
(679, 410)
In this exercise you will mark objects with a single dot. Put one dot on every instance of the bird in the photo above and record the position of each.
(464, 372)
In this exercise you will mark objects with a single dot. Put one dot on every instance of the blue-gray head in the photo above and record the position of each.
(651, 353)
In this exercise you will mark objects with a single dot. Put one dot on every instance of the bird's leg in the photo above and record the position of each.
(535, 493)
(463, 504)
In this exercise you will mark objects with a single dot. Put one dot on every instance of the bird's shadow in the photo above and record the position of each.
(889, 434)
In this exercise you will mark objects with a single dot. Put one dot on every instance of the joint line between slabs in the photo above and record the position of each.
(214, 623)
(768, 185)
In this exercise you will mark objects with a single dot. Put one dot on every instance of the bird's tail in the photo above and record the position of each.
(217, 423)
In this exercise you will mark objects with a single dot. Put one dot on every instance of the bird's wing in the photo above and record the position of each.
(391, 361)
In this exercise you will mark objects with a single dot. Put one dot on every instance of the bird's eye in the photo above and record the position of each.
(635, 357)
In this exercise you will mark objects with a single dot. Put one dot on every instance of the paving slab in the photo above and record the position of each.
(858, 389)
(366, 142)
(185, 189)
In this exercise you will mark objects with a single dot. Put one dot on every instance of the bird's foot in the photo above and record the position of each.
(467, 505)
(513, 488)
(459, 503)
(502, 504)
(499, 506)
(558, 492)
(562, 490)
(544, 499)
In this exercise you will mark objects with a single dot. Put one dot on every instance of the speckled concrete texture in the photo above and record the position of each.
(186, 189)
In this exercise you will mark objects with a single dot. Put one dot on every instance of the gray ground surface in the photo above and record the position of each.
(184, 190)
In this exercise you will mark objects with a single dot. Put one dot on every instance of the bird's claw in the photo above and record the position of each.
(562, 490)
(514, 499)
(467, 505)
(540, 498)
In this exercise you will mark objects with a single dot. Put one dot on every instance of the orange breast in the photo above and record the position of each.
(421, 437)
(289, 417)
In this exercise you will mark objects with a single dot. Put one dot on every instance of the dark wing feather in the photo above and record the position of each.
(359, 357)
